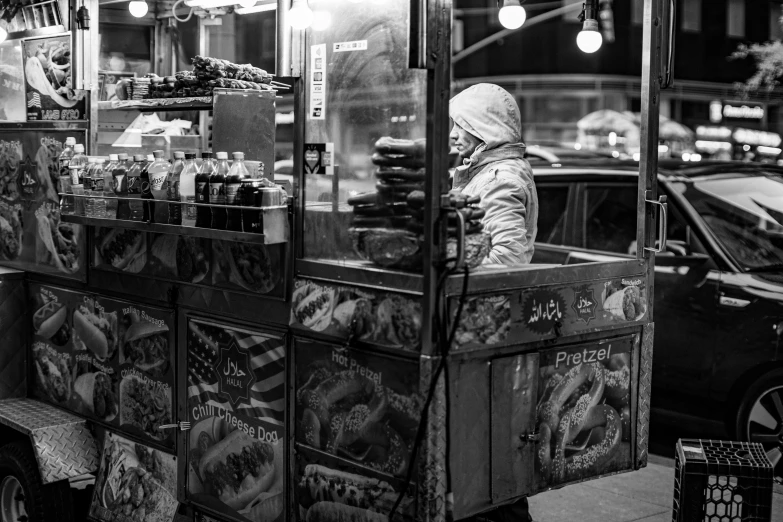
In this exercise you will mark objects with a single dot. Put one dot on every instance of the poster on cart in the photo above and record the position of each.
(135, 483)
(584, 411)
(105, 359)
(236, 407)
(32, 235)
(47, 68)
(12, 87)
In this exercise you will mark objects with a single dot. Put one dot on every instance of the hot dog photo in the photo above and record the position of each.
(53, 373)
(237, 470)
(359, 407)
(134, 483)
(97, 329)
(50, 319)
(583, 412)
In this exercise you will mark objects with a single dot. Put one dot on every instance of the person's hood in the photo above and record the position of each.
(488, 112)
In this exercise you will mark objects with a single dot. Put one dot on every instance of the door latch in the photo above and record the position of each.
(663, 222)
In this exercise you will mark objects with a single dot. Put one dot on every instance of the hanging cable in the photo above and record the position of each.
(174, 12)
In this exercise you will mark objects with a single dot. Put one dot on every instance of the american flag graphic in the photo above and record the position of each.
(34, 101)
(266, 353)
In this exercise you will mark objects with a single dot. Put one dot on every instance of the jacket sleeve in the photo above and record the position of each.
(504, 201)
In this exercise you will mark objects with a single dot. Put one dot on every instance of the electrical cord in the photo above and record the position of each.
(442, 367)
(174, 12)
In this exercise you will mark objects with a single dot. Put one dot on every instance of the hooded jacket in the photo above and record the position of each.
(497, 171)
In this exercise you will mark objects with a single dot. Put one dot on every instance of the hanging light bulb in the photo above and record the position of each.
(300, 16)
(138, 8)
(512, 15)
(321, 20)
(247, 4)
(3, 34)
(589, 38)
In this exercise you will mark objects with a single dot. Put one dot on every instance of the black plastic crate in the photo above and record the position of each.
(722, 481)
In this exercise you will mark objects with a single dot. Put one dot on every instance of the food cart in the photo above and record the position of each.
(341, 365)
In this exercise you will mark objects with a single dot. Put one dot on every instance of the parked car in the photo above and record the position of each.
(718, 307)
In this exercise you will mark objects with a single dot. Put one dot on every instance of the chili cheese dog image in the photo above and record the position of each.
(97, 331)
(238, 469)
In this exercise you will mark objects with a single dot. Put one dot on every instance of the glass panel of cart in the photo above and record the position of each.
(236, 407)
(360, 92)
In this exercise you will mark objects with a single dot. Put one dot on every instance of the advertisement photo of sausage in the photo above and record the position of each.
(98, 331)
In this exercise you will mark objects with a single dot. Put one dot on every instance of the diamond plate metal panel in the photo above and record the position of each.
(433, 494)
(645, 389)
(63, 444)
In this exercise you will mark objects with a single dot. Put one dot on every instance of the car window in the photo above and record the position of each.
(552, 205)
(610, 218)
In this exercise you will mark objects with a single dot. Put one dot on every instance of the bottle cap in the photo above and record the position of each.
(78, 148)
(190, 155)
(70, 141)
(206, 155)
(138, 157)
(158, 154)
(238, 155)
(114, 157)
(100, 161)
(179, 155)
(123, 157)
(150, 157)
(222, 155)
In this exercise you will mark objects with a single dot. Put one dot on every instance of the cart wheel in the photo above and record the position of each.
(760, 418)
(23, 497)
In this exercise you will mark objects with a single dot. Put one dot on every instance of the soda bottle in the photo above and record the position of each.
(172, 188)
(86, 179)
(217, 192)
(64, 159)
(157, 172)
(108, 186)
(204, 214)
(120, 185)
(134, 188)
(236, 174)
(146, 193)
(187, 190)
(98, 204)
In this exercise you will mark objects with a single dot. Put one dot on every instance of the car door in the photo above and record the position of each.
(685, 291)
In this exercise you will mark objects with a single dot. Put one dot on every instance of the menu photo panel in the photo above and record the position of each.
(236, 402)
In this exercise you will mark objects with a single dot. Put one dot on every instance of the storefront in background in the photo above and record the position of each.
(738, 143)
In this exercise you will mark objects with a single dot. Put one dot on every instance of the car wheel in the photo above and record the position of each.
(760, 418)
(23, 496)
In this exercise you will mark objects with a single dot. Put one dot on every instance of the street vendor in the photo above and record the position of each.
(487, 132)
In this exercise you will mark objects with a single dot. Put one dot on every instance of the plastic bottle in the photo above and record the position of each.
(187, 190)
(158, 172)
(108, 186)
(87, 182)
(78, 160)
(134, 188)
(172, 189)
(146, 193)
(236, 174)
(120, 185)
(217, 192)
(204, 214)
(63, 160)
(98, 204)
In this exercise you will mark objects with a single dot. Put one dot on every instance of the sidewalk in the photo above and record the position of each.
(641, 496)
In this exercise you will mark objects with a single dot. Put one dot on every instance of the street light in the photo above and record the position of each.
(300, 16)
(589, 38)
(512, 15)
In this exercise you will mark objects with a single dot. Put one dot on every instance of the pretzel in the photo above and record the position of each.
(593, 460)
(549, 419)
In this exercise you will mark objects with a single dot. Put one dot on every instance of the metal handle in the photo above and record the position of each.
(662, 223)
(670, 14)
(529, 437)
(460, 241)
(183, 426)
(417, 35)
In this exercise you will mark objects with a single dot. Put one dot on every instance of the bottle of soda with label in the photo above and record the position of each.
(204, 214)
(158, 171)
(236, 174)
(187, 190)
(120, 185)
(108, 186)
(134, 188)
(217, 192)
(172, 189)
(146, 192)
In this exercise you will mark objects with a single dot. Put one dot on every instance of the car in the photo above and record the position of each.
(718, 305)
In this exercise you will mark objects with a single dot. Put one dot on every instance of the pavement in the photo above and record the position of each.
(639, 496)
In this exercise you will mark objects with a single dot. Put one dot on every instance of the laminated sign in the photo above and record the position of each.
(47, 68)
(236, 407)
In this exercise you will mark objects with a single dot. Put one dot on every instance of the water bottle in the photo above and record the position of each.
(87, 182)
(98, 204)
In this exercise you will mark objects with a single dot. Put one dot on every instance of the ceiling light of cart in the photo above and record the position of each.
(300, 16)
(138, 8)
(512, 15)
(258, 8)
